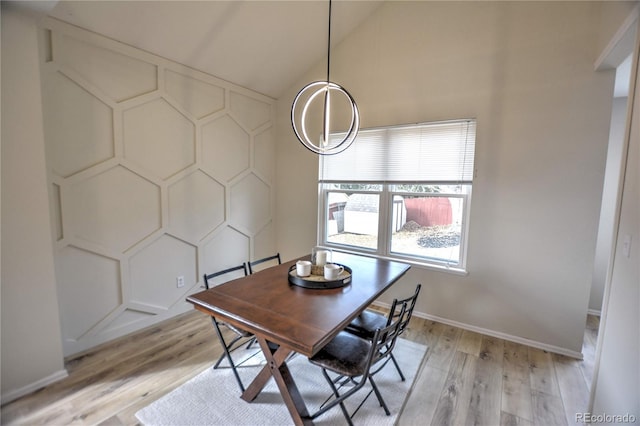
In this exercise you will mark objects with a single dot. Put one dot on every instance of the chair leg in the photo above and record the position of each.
(335, 392)
(379, 396)
(251, 342)
(397, 367)
(224, 353)
(227, 353)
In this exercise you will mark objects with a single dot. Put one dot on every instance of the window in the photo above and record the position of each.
(401, 192)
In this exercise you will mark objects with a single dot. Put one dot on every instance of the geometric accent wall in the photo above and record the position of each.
(156, 171)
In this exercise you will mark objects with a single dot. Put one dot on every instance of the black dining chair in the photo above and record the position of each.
(273, 258)
(241, 336)
(356, 360)
(365, 324)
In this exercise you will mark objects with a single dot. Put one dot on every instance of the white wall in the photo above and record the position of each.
(616, 388)
(606, 223)
(153, 170)
(525, 71)
(156, 172)
(31, 343)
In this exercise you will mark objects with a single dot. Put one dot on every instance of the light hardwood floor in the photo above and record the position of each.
(467, 378)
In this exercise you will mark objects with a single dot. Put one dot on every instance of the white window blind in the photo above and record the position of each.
(440, 152)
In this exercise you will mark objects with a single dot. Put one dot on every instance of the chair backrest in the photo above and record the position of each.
(384, 340)
(208, 277)
(409, 303)
(263, 260)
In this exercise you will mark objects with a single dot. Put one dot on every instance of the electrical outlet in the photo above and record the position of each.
(180, 281)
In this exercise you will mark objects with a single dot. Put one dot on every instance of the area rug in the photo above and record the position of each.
(213, 397)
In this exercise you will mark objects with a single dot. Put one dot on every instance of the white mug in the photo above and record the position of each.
(321, 257)
(332, 271)
(303, 268)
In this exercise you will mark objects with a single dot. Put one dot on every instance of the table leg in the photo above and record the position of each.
(277, 368)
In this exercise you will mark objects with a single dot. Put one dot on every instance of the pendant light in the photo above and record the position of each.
(324, 90)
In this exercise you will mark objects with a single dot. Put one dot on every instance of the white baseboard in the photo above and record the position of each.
(594, 312)
(498, 334)
(17, 393)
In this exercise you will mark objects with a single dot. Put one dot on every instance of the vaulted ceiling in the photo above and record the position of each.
(261, 45)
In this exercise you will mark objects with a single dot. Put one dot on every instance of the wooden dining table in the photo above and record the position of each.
(287, 318)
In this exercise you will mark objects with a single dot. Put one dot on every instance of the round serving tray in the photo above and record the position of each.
(318, 281)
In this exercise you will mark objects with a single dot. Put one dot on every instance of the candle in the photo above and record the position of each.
(321, 257)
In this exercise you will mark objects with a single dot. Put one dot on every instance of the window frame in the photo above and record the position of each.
(385, 225)
(388, 190)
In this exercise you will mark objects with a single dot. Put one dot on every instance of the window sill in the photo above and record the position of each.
(439, 268)
(412, 262)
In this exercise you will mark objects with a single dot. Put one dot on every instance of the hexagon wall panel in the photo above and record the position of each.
(228, 248)
(119, 76)
(250, 205)
(151, 165)
(251, 112)
(225, 135)
(155, 268)
(116, 208)
(88, 289)
(197, 97)
(196, 205)
(79, 127)
(159, 138)
(56, 211)
(264, 154)
(127, 318)
(264, 242)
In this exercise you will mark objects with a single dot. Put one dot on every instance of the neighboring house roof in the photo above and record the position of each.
(362, 203)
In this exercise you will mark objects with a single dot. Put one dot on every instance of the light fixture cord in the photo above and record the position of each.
(327, 102)
(329, 45)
